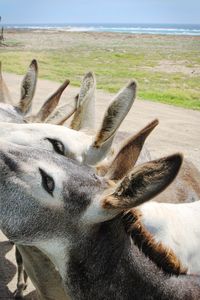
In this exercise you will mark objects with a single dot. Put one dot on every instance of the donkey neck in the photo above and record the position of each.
(107, 265)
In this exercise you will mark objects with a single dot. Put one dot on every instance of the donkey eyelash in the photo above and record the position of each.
(47, 182)
(57, 145)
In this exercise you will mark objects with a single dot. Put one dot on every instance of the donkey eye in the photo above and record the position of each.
(47, 182)
(57, 145)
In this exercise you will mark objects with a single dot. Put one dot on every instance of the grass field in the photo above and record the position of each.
(167, 68)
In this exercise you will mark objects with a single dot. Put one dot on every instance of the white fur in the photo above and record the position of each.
(177, 226)
(95, 212)
(76, 143)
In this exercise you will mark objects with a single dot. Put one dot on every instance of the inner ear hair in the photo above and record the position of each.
(128, 154)
(144, 182)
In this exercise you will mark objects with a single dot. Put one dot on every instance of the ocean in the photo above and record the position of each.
(167, 29)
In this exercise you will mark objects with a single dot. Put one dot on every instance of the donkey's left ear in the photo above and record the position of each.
(143, 183)
(28, 87)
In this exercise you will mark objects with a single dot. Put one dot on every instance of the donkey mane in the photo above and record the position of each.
(162, 256)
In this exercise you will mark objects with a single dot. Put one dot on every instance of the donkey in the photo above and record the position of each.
(119, 108)
(125, 158)
(87, 239)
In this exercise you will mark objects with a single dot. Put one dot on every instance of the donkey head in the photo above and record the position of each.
(79, 145)
(44, 196)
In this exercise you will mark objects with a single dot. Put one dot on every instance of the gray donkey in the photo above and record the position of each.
(33, 259)
(81, 222)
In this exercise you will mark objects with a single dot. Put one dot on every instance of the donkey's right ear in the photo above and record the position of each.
(143, 183)
(113, 117)
(28, 87)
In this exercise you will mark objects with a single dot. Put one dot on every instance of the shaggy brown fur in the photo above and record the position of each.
(162, 256)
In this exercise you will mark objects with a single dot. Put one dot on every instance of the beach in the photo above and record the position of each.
(166, 67)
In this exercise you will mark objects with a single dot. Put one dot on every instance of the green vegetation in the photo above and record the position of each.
(167, 68)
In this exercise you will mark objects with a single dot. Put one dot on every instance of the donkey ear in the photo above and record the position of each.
(128, 153)
(62, 113)
(84, 116)
(49, 105)
(5, 96)
(143, 183)
(116, 113)
(113, 117)
(28, 87)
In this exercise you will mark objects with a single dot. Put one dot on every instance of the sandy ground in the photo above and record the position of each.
(178, 131)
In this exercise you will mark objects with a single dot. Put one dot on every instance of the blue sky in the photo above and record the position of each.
(102, 11)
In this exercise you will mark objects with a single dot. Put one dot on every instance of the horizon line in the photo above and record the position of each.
(96, 23)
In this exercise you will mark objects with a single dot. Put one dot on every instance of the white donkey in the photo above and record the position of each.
(78, 223)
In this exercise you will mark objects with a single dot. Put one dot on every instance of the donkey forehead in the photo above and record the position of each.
(76, 143)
